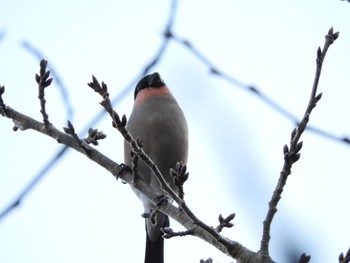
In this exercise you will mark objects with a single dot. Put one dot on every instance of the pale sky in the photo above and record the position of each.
(79, 213)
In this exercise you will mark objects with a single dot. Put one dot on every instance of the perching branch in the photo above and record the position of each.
(192, 223)
(181, 214)
(291, 153)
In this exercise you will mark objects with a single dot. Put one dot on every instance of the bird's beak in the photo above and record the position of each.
(154, 80)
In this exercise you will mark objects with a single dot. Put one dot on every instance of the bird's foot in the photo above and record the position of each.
(160, 199)
(152, 215)
(122, 168)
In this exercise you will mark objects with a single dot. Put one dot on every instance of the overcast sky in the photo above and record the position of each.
(80, 213)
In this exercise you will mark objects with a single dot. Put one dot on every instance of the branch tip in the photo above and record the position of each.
(292, 154)
(346, 258)
(304, 258)
(70, 129)
(2, 104)
(94, 136)
(318, 97)
(43, 81)
(331, 37)
(169, 233)
(225, 222)
(298, 146)
(180, 176)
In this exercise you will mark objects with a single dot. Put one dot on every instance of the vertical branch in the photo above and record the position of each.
(62, 88)
(43, 82)
(2, 104)
(292, 155)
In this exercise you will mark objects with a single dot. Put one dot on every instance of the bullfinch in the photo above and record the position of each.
(158, 121)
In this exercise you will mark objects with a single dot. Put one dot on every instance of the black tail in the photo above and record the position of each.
(154, 250)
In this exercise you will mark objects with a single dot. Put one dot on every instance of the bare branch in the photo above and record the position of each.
(43, 81)
(254, 90)
(169, 233)
(94, 136)
(135, 162)
(180, 176)
(81, 143)
(120, 124)
(291, 153)
(182, 214)
(58, 80)
(345, 259)
(2, 104)
(225, 222)
(304, 258)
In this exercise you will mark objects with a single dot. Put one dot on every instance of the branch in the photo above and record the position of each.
(345, 259)
(182, 214)
(225, 222)
(253, 90)
(291, 153)
(304, 258)
(58, 81)
(43, 82)
(196, 228)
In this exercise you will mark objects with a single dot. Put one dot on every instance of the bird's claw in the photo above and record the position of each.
(160, 199)
(122, 168)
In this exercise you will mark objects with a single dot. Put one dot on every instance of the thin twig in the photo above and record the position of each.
(225, 222)
(169, 233)
(120, 124)
(43, 82)
(94, 136)
(62, 88)
(291, 153)
(253, 90)
(67, 140)
(304, 258)
(2, 104)
(345, 259)
(180, 176)
(234, 249)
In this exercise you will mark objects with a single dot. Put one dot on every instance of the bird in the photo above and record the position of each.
(159, 123)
